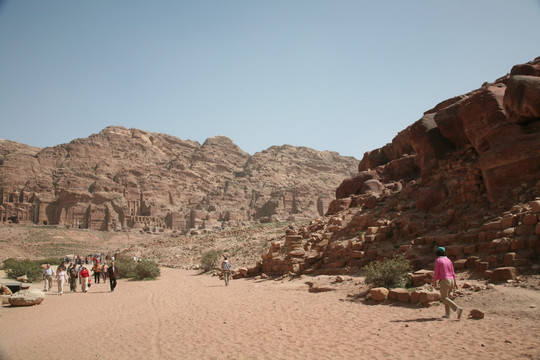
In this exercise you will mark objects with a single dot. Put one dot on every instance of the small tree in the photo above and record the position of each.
(210, 259)
(126, 267)
(147, 270)
(389, 273)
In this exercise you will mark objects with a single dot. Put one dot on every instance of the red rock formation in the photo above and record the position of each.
(465, 176)
(128, 178)
(522, 98)
(352, 186)
(500, 121)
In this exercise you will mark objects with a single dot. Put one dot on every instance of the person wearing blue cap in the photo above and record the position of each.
(444, 273)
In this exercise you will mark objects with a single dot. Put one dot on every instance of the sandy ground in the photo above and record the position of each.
(184, 315)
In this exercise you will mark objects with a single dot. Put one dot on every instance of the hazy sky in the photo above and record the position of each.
(341, 75)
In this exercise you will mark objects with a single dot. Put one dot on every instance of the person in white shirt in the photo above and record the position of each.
(61, 279)
(48, 274)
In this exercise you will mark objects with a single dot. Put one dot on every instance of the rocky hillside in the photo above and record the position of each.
(465, 176)
(127, 178)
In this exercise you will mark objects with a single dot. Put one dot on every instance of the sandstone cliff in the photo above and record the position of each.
(465, 176)
(128, 178)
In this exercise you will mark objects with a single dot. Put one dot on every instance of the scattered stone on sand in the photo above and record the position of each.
(476, 314)
(27, 297)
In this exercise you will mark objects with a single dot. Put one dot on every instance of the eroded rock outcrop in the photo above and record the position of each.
(465, 176)
(499, 122)
(132, 179)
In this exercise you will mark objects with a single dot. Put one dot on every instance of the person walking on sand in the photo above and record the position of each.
(97, 272)
(48, 274)
(73, 276)
(444, 273)
(84, 274)
(112, 271)
(79, 268)
(104, 269)
(61, 279)
(226, 269)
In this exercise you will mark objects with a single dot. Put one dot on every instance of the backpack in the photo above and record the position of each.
(226, 266)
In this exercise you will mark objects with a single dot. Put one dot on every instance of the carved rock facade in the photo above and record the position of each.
(131, 179)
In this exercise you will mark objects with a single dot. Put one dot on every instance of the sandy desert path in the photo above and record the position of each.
(184, 315)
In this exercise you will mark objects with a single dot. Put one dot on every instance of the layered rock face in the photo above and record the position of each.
(466, 176)
(495, 128)
(128, 178)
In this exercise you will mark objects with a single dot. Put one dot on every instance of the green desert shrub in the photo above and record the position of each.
(15, 268)
(51, 260)
(141, 270)
(210, 259)
(9, 263)
(126, 267)
(146, 270)
(388, 273)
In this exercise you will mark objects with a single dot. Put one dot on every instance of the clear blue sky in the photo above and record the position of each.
(337, 75)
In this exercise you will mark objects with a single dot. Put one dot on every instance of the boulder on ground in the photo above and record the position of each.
(504, 273)
(379, 294)
(427, 296)
(27, 297)
(399, 294)
(476, 314)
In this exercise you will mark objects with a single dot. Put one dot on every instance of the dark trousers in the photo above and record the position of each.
(73, 284)
(112, 282)
(96, 277)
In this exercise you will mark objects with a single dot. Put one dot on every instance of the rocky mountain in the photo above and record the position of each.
(465, 176)
(128, 178)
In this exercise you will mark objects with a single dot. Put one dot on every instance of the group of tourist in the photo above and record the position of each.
(89, 259)
(78, 274)
(444, 276)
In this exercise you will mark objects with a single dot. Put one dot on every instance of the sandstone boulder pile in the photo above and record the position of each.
(466, 176)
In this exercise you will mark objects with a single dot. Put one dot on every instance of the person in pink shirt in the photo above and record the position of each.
(444, 273)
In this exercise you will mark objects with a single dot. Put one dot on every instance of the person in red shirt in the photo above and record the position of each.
(444, 273)
(84, 275)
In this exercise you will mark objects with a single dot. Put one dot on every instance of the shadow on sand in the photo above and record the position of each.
(418, 320)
